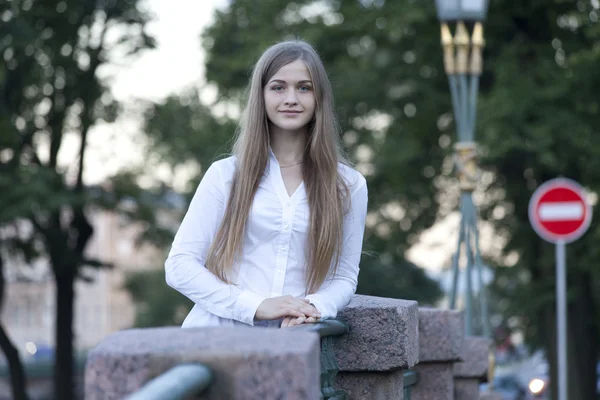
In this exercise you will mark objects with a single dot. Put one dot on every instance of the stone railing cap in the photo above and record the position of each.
(474, 357)
(441, 335)
(175, 340)
(384, 334)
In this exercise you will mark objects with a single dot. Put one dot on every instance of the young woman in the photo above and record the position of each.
(273, 235)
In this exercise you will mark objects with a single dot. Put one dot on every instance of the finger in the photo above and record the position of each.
(286, 322)
(292, 312)
(304, 308)
(298, 321)
(310, 311)
(311, 320)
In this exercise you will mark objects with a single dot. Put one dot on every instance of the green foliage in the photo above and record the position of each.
(156, 303)
(183, 129)
(406, 280)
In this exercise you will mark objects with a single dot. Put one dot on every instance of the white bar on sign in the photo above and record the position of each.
(563, 211)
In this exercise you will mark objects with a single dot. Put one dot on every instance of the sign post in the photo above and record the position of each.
(560, 213)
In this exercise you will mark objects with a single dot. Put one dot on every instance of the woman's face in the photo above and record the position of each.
(289, 97)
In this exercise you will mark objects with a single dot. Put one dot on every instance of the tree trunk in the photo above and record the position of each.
(18, 380)
(582, 340)
(64, 387)
(17, 375)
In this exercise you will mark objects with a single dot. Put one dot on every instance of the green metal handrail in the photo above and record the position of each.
(410, 379)
(327, 329)
(180, 382)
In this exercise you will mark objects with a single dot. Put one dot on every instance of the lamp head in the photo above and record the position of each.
(461, 10)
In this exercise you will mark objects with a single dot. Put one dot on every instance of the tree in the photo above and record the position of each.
(52, 94)
(155, 303)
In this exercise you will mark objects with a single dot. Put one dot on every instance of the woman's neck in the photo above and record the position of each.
(288, 147)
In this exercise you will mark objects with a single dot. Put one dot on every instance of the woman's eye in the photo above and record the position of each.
(304, 88)
(277, 88)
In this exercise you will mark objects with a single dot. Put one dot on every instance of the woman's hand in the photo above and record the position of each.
(285, 306)
(289, 322)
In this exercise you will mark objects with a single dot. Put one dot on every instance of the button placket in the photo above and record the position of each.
(284, 244)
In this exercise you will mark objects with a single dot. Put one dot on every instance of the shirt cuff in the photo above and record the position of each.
(247, 303)
(326, 313)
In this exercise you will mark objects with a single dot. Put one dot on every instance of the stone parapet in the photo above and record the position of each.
(384, 335)
(247, 363)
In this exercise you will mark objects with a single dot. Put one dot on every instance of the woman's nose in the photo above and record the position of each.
(291, 98)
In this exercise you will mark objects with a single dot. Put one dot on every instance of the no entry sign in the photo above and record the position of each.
(559, 211)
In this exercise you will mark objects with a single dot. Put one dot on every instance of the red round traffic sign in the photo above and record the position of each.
(559, 211)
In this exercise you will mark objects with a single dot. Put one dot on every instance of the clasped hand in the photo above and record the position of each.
(294, 311)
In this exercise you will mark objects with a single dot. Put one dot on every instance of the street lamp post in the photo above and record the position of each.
(463, 65)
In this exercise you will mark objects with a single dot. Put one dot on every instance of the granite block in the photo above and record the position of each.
(474, 358)
(384, 335)
(372, 385)
(435, 382)
(441, 335)
(466, 389)
(247, 363)
(490, 396)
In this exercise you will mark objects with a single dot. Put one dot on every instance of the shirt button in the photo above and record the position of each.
(286, 226)
(289, 203)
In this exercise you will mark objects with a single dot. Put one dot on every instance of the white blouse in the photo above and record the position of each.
(274, 249)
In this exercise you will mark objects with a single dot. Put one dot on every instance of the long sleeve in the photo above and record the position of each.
(185, 269)
(336, 292)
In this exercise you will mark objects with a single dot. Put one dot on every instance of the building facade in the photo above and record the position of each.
(102, 305)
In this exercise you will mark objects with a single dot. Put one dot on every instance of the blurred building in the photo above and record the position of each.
(102, 306)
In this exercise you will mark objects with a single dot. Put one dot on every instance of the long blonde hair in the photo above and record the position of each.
(326, 189)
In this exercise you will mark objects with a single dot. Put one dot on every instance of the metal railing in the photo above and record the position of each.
(329, 367)
(179, 382)
(410, 379)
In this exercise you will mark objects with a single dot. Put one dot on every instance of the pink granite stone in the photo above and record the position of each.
(384, 335)
(247, 363)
